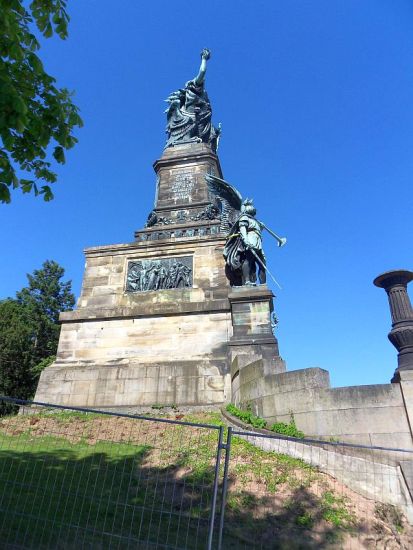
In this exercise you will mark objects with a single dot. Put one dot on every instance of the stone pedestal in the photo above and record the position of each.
(252, 340)
(157, 322)
(401, 334)
(153, 320)
(184, 205)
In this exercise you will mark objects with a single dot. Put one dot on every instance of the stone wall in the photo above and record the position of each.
(104, 280)
(134, 385)
(371, 415)
(123, 349)
(145, 339)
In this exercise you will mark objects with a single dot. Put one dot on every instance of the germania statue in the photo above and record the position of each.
(189, 113)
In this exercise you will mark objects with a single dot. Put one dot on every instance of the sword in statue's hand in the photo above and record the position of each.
(262, 264)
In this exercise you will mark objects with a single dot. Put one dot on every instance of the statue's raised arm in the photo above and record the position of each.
(200, 78)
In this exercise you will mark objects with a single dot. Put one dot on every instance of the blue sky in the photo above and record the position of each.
(315, 99)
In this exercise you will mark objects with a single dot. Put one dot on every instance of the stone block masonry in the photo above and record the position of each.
(166, 347)
(153, 319)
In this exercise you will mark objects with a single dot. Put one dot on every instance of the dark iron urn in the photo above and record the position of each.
(401, 334)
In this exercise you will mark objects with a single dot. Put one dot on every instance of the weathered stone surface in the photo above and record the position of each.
(101, 385)
(370, 415)
(136, 349)
(184, 207)
(181, 175)
(253, 349)
(406, 386)
(177, 337)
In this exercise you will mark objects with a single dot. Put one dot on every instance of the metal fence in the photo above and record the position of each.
(88, 479)
(284, 493)
(79, 478)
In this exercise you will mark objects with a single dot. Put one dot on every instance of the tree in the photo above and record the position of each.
(43, 299)
(35, 115)
(29, 330)
(16, 352)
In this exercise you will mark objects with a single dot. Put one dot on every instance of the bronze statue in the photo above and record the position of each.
(189, 113)
(243, 252)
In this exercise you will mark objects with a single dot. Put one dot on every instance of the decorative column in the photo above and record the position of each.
(401, 334)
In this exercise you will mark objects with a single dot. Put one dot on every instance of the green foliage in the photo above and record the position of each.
(44, 298)
(46, 362)
(248, 417)
(335, 510)
(305, 520)
(29, 330)
(35, 115)
(16, 351)
(289, 429)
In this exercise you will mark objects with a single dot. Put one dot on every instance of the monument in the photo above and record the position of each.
(182, 315)
(160, 320)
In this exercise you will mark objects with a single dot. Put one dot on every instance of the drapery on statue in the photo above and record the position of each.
(189, 112)
(243, 253)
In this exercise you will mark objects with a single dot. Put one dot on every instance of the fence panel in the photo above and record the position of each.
(299, 494)
(77, 478)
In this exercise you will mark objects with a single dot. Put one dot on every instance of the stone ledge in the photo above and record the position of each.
(253, 339)
(187, 242)
(187, 153)
(248, 293)
(166, 309)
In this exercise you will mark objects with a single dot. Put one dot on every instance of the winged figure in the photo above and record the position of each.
(243, 253)
(229, 199)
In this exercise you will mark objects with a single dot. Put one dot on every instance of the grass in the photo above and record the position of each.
(71, 480)
(79, 487)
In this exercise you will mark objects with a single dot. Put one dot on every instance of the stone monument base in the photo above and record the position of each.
(121, 348)
(125, 384)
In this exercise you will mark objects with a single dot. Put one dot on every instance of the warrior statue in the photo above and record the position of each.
(243, 250)
(243, 253)
(189, 112)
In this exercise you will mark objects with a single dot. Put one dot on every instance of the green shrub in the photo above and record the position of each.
(305, 520)
(289, 430)
(336, 510)
(249, 417)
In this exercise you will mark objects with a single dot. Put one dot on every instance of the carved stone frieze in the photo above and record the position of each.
(167, 233)
(159, 274)
(210, 212)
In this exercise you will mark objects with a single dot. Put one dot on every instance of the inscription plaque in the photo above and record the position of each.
(183, 184)
(159, 274)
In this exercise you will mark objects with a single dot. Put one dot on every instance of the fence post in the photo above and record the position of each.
(224, 487)
(215, 489)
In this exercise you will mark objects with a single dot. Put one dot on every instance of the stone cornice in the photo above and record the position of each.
(167, 309)
(175, 243)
